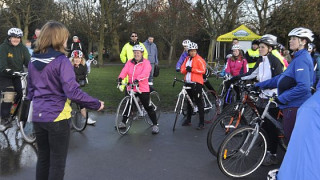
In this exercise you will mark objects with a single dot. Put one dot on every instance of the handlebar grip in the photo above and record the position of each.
(174, 83)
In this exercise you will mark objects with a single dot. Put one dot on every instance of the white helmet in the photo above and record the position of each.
(192, 45)
(75, 37)
(77, 53)
(186, 42)
(138, 48)
(270, 36)
(15, 32)
(302, 33)
(236, 46)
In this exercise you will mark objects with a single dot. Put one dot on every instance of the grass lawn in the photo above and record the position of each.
(103, 85)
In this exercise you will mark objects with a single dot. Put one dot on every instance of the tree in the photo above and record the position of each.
(216, 18)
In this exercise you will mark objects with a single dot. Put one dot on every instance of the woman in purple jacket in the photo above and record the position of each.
(52, 84)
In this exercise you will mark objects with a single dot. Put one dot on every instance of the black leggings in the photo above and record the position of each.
(195, 94)
(145, 100)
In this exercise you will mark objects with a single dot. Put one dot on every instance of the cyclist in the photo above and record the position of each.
(252, 54)
(275, 51)
(194, 67)
(13, 56)
(52, 83)
(80, 70)
(300, 160)
(127, 53)
(236, 64)
(267, 67)
(295, 83)
(77, 45)
(184, 54)
(138, 69)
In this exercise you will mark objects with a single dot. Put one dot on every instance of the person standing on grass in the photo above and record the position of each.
(51, 86)
(127, 53)
(152, 56)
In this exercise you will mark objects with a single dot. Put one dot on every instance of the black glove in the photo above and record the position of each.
(254, 88)
(278, 101)
(135, 82)
(119, 80)
(234, 79)
(188, 68)
(178, 70)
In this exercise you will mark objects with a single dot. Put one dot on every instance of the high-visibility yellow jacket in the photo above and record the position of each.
(127, 53)
(252, 57)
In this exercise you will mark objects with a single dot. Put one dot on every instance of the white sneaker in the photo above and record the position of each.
(121, 125)
(90, 121)
(155, 129)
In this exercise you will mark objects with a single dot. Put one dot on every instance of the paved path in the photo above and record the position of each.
(99, 153)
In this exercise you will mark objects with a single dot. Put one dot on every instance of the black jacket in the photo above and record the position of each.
(80, 72)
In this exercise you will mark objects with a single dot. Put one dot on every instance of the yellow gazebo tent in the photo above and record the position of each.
(242, 33)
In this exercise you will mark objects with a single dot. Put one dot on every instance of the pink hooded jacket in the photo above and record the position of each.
(140, 71)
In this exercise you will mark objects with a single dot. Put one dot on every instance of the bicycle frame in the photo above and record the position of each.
(184, 94)
(134, 99)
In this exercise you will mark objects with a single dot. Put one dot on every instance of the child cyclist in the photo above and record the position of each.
(80, 70)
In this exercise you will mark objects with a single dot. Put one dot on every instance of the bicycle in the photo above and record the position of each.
(130, 107)
(21, 114)
(78, 121)
(244, 149)
(233, 115)
(181, 104)
(227, 96)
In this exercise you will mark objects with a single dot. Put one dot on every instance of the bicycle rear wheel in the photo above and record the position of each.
(156, 104)
(79, 122)
(210, 109)
(124, 109)
(241, 153)
(179, 109)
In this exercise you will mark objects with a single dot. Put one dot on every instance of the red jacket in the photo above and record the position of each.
(237, 67)
(198, 69)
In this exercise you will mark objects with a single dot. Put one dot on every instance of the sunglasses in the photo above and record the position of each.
(134, 36)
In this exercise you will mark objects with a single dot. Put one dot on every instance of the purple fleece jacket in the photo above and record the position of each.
(51, 80)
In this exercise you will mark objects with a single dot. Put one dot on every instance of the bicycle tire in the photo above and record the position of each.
(218, 131)
(210, 113)
(233, 158)
(123, 105)
(156, 105)
(79, 123)
(178, 109)
(95, 62)
(27, 131)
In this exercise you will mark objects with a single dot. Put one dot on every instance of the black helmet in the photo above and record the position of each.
(255, 42)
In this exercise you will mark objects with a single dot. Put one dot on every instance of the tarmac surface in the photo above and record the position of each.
(100, 153)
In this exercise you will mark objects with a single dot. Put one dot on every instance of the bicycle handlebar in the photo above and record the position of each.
(131, 86)
(175, 80)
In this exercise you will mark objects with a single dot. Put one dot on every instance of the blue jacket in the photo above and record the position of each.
(181, 60)
(152, 52)
(295, 82)
(301, 161)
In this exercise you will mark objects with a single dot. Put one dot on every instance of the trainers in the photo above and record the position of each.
(91, 122)
(270, 159)
(200, 127)
(155, 129)
(121, 125)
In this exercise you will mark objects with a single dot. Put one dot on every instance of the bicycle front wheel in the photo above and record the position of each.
(124, 110)
(242, 152)
(155, 103)
(79, 122)
(225, 124)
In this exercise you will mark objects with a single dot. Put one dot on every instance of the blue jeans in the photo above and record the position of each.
(53, 141)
